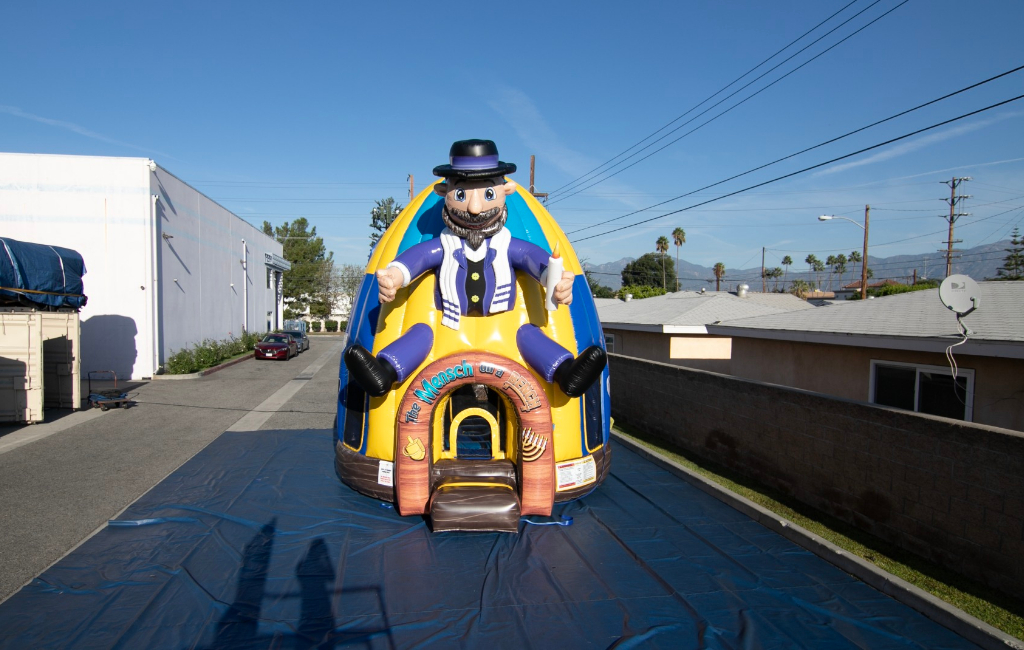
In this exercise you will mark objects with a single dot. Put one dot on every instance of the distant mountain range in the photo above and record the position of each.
(980, 262)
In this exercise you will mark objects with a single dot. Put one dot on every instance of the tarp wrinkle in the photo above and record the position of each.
(218, 556)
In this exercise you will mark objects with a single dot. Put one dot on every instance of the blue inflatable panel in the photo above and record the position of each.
(43, 275)
(254, 543)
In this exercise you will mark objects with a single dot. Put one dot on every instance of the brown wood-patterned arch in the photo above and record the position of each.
(412, 476)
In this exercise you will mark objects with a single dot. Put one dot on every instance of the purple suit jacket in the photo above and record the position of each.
(522, 256)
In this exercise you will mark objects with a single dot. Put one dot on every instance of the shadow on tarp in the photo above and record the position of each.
(254, 543)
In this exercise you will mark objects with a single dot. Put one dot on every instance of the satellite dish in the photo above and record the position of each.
(960, 293)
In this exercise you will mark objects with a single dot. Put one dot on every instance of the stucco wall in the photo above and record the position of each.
(845, 371)
(681, 350)
(950, 491)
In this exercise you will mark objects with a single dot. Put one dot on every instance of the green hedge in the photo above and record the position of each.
(316, 325)
(209, 353)
(331, 326)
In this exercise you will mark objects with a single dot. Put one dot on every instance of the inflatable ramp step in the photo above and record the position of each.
(475, 503)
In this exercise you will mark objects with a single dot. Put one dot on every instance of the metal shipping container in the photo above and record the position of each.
(39, 363)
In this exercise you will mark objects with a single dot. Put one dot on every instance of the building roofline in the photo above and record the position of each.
(983, 348)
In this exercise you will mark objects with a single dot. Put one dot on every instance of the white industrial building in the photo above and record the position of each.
(167, 267)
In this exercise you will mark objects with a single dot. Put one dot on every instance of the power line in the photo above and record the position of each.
(807, 169)
(709, 98)
(740, 103)
(822, 144)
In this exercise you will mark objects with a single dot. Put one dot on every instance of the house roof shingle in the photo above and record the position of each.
(692, 310)
(915, 320)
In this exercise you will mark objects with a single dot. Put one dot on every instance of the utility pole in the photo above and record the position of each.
(864, 262)
(533, 192)
(953, 200)
(764, 287)
(412, 192)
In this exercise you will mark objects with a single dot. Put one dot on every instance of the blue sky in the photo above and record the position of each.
(281, 110)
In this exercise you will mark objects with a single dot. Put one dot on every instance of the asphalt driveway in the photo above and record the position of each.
(61, 481)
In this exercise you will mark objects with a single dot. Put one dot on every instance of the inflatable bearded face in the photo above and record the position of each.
(474, 209)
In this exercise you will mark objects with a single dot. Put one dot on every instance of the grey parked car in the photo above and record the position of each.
(300, 339)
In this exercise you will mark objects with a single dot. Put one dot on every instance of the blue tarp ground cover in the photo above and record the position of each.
(41, 274)
(254, 543)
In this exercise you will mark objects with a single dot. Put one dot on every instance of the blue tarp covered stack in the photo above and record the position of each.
(40, 276)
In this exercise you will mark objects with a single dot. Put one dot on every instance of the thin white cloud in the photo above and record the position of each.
(918, 143)
(522, 114)
(75, 128)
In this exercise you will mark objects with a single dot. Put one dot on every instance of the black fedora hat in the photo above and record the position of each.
(474, 159)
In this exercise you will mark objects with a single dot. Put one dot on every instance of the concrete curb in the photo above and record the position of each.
(972, 629)
(203, 373)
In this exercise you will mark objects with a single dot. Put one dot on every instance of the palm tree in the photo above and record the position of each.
(830, 262)
(840, 268)
(786, 261)
(679, 237)
(854, 257)
(774, 274)
(719, 270)
(662, 247)
(819, 266)
(811, 260)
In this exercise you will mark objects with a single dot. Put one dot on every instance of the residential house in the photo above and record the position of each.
(673, 328)
(904, 350)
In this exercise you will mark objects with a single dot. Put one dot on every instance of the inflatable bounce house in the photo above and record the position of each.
(474, 385)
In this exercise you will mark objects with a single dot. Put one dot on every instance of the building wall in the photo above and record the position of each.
(704, 352)
(201, 277)
(98, 207)
(103, 208)
(949, 491)
(845, 371)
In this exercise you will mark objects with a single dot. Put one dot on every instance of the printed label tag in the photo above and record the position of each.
(575, 473)
(386, 473)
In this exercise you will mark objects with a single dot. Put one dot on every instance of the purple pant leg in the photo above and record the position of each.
(407, 352)
(541, 353)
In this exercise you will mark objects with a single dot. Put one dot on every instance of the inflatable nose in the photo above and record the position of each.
(476, 204)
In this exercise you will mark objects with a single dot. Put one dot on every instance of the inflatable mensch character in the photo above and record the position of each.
(479, 350)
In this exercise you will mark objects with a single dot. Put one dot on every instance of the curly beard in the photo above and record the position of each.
(474, 229)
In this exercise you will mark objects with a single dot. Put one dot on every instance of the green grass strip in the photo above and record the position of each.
(984, 603)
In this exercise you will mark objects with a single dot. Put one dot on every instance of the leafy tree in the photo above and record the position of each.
(679, 238)
(381, 217)
(662, 247)
(719, 271)
(645, 270)
(787, 261)
(1013, 263)
(640, 291)
(307, 282)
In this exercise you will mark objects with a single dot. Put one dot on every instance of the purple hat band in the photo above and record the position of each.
(470, 163)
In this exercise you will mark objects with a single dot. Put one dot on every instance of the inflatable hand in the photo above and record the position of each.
(388, 282)
(563, 290)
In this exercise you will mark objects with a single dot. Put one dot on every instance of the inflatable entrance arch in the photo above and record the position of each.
(473, 438)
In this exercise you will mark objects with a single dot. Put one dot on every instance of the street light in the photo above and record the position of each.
(864, 262)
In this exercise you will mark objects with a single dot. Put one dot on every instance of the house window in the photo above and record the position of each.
(924, 389)
(609, 342)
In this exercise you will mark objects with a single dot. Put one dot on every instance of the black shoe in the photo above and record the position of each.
(577, 375)
(374, 375)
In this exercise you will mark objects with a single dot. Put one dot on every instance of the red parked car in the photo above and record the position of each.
(276, 346)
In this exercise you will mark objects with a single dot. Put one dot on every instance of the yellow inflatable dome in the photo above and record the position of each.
(473, 438)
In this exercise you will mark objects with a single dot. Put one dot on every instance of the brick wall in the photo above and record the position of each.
(950, 491)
